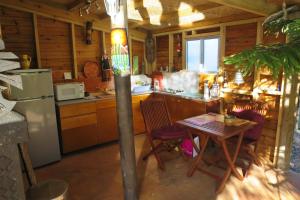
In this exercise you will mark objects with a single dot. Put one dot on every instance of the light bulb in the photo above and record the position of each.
(80, 12)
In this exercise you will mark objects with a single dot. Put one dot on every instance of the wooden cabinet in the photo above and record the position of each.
(138, 120)
(107, 120)
(78, 123)
(90, 123)
(181, 108)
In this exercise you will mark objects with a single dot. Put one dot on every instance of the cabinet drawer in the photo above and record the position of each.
(106, 103)
(78, 121)
(77, 109)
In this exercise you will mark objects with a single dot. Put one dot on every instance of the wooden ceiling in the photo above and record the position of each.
(176, 14)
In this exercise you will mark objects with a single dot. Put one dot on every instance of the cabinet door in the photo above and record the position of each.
(107, 124)
(79, 132)
(138, 120)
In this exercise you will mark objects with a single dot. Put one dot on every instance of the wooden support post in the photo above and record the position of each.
(287, 128)
(103, 42)
(37, 41)
(130, 52)
(171, 53)
(183, 50)
(259, 40)
(222, 47)
(74, 52)
(125, 117)
(221, 62)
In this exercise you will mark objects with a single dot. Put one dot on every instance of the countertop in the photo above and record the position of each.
(195, 97)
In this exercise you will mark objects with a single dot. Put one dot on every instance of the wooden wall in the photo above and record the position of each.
(177, 58)
(55, 42)
(18, 32)
(138, 50)
(238, 38)
(162, 51)
(55, 46)
(92, 52)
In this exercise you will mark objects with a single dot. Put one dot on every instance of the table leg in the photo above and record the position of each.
(231, 167)
(198, 158)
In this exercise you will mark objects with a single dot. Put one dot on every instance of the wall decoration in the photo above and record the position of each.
(89, 31)
(135, 65)
(119, 53)
(150, 48)
(105, 68)
(178, 46)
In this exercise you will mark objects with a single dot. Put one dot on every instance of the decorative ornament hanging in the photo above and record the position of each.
(119, 42)
(150, 48)
(88, 32)
(178, 46)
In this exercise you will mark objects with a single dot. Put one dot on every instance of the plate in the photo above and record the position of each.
(91, 69)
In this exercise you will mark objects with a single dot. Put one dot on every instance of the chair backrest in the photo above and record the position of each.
(155, 113)
(254, 116)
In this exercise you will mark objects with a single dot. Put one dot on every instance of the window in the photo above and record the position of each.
(202, 55)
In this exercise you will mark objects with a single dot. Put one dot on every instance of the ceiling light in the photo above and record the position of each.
(112, 7)
(80, 12)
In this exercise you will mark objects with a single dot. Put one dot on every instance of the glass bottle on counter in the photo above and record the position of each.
(206, 90)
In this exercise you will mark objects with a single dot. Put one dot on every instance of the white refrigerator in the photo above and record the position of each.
(36, 103)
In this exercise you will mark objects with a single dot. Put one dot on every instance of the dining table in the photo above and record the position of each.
(212, 127)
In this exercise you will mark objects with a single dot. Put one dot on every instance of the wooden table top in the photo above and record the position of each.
(213, 124)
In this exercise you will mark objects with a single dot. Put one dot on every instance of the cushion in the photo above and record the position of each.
(255, 132)
(169, 132)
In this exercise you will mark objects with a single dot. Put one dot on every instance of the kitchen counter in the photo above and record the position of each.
(94, 98)
(195, 97)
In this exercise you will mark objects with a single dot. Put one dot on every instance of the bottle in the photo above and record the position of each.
(206, 90)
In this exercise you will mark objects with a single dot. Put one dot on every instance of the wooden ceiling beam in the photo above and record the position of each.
(211, 22)
(166, 17)
(259, 7)
(76, 4)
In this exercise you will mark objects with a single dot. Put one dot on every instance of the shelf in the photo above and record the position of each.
(250, 92)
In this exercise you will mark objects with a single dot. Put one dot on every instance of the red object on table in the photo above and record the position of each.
(209, 126)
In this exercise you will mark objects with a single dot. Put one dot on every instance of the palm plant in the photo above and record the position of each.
(275, 57)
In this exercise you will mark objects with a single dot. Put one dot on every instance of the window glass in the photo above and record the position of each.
(202, 55)
(194, 53)
(211, 54)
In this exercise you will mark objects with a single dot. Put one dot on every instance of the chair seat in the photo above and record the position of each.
(169, 132)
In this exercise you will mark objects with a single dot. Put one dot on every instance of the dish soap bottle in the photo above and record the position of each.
(206, 90)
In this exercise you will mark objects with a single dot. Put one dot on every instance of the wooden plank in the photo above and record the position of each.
(78, 121)
(75, 4)
(37, 42)
(260, 7)
(184, 50)
(74, 52)
(77, 109)
(48, 11)
(171, 41)
(222, 47)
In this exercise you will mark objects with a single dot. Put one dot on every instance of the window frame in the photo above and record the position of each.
(202, 38)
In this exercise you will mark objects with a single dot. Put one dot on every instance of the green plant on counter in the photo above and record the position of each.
(275, 57)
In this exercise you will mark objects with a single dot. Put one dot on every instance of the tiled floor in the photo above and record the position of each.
(95, 174)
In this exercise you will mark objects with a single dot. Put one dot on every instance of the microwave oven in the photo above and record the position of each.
(67, 91)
